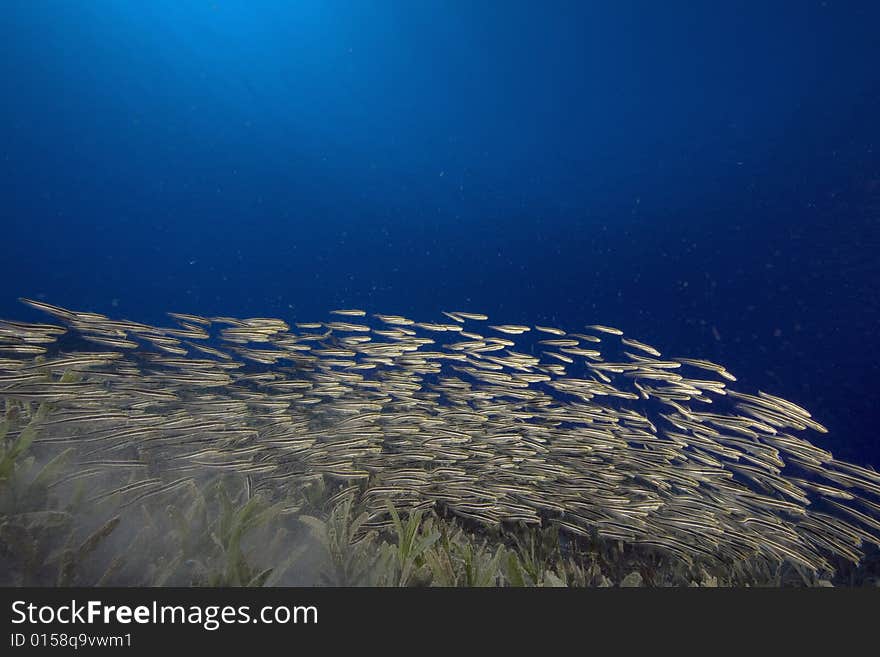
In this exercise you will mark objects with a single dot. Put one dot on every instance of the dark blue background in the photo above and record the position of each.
(703, 175)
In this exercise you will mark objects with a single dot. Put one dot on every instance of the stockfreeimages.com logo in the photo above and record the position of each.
(210, 617)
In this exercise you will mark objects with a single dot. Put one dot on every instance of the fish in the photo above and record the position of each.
(636, 448)
(349, 312)
(630, 342)
(605, 329)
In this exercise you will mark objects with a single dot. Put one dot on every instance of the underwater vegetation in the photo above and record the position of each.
(383, 451)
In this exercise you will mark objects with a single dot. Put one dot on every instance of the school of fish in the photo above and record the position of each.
(495, 423)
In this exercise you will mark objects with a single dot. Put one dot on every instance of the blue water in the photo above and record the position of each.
(704, 175)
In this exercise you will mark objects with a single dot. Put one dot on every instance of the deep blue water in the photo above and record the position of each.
(704, 175)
